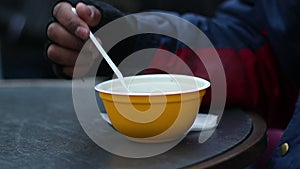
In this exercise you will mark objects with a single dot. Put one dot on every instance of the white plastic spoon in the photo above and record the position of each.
(106, 57)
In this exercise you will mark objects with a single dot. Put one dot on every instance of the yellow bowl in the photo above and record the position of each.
(159, 107)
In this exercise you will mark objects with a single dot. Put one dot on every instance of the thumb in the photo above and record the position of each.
(88, 13)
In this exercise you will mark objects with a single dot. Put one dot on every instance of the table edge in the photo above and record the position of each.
(257, 138)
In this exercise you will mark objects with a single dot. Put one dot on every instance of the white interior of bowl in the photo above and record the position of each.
(154, 84)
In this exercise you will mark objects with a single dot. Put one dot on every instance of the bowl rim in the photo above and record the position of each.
(205, 85)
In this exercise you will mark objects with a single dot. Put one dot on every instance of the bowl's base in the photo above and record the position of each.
(154, 140)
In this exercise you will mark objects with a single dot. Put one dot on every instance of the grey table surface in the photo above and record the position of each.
(39, 129)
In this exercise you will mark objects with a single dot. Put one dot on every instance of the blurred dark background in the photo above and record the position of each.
(23, 24)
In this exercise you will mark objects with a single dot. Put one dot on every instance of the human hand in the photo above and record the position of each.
(69, 33)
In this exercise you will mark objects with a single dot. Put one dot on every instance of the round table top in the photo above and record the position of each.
(39, 129)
